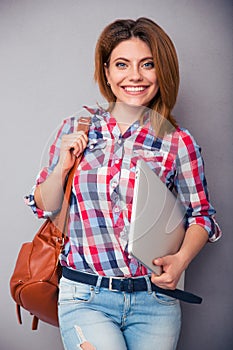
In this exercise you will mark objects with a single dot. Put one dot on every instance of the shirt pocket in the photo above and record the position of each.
(146, 154)
(94, 155)
(154, 159)
(149, 155)
(162, 161)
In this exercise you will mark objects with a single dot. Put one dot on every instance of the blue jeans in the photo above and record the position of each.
(94, 318)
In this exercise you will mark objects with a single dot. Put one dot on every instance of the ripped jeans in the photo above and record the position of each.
(94, 318)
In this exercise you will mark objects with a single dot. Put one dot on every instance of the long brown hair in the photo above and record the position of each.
(163, 53)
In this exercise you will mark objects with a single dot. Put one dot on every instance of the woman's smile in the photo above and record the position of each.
(134, 89)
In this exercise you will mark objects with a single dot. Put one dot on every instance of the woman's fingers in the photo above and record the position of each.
(77, 147)
(172, 270)
(79, 144)
(74, 141)
(72, 146)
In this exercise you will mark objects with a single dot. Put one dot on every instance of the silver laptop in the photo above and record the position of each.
(156, 227)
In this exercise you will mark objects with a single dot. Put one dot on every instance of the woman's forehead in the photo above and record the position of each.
(131, 48)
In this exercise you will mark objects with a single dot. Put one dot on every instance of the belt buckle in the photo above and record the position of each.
(110, 284)
(126, 284)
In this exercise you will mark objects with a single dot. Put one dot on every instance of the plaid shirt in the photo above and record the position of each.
(101, 200)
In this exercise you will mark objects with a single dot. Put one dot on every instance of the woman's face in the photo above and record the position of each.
(131, 73)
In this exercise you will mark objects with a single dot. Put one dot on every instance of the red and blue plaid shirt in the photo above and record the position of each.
(101, 200)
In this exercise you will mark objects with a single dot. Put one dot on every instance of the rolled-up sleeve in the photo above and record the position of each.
(54, 152)
(192, 189)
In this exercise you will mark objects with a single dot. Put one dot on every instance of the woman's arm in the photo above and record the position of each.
(191, 186)
(173, 265)
(49, 194)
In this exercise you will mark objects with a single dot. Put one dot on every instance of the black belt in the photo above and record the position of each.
(128, 285)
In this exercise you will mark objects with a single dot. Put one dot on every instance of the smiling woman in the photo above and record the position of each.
(107, 298)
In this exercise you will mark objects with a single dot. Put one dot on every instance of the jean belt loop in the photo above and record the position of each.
(148, 282)
(98, 284)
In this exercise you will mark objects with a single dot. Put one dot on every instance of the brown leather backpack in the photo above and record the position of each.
(34, 282)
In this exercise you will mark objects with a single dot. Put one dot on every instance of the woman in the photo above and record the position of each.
(136, 69)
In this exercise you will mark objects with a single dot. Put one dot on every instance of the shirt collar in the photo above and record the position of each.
(100, 113)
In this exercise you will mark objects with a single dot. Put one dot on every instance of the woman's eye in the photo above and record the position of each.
(148, 65)
(120, 65)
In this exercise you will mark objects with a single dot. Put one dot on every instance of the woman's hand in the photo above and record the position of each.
(172, 267)
(49, 194)
(72, 146)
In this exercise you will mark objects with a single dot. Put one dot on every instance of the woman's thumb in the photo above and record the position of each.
(158, 261)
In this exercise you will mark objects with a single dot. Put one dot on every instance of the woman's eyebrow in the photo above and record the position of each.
(122, 59)
(147, 58)
(128, 60)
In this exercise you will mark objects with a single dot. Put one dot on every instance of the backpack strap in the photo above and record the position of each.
(62, 218)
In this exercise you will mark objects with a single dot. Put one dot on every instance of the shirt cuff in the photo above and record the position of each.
(41, 214)
(209, 224)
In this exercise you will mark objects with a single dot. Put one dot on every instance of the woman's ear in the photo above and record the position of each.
(106, 71)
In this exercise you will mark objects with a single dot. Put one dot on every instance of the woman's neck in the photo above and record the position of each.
(126, 115)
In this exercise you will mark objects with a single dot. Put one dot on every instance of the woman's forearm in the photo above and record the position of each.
(49, 194)
(195, 239)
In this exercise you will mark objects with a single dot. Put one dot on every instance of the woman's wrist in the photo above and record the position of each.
(195, 239)
(184, 258)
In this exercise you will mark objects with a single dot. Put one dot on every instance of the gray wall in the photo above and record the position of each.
(46, 67)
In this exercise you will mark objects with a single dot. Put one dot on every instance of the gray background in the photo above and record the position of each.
(46, 69)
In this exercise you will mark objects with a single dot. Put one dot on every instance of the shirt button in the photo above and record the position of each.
(123, 235)
(119, 141)
(115, 197)
(117, 161)
(114, 184)
(116, 210)
(91, 147)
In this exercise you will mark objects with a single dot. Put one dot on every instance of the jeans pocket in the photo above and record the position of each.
(164, 299)
(74, 292)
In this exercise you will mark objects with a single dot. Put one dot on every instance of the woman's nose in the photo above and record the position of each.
(135, 74)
